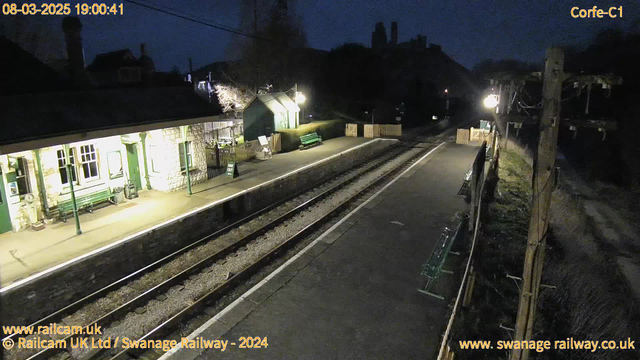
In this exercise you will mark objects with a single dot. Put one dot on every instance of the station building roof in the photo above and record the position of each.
(276, 102)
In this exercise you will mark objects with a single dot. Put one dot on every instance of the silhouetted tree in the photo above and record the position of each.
(269, 58)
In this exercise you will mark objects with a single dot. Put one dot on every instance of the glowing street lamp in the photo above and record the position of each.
(491, 101)
(300, 99)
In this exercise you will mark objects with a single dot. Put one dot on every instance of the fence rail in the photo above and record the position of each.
(479, 179)
(241, 152)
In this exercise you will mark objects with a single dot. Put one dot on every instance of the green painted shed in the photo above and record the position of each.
(269, 113)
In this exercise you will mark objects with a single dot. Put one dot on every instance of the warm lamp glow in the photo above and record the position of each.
(491, 101)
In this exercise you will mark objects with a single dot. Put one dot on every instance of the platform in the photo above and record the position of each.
(29, 252)
(352, 293)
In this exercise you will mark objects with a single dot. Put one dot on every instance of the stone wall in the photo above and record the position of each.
(167, 177)
(46, 294)
(56, 191)
(165, 154)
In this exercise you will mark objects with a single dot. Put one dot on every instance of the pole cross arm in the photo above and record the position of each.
(604, 124)
(582, 78)
(596, 79)
(593, 124)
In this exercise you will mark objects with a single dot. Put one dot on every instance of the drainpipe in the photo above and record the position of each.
(73, 194)
(143, 138)
(186, 156)
(43, 191)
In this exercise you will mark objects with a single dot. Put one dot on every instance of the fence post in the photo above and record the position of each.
(217, 154)
(472, 189)
(468, 291)
(476, 177)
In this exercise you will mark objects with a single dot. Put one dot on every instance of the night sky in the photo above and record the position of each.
(469, 31)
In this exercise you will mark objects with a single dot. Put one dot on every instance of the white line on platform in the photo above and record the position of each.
(175, 219)
(230, 307)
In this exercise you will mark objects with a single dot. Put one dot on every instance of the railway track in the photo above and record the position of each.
(256, 226)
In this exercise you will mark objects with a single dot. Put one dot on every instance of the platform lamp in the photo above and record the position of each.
(491, 102)
(446, 94)
(299, 98)
(185, 147)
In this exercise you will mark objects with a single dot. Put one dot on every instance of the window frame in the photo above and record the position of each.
(153, 153)
(86, 159)
(121, 172)
(23, 165)
(63, 159)
(181, 149)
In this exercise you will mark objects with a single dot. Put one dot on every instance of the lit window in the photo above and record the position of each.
(89, 161)
(62, 166)
(114, 161)
(181, 152)
(22, 176)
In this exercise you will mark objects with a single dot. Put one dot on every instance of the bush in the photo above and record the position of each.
(328, 129)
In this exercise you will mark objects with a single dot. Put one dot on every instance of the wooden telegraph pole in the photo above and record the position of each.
(542, 185)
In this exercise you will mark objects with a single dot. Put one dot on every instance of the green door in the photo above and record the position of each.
(5, 220)
(134, 167)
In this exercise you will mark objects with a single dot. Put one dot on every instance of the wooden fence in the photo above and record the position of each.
(480, 135)
(240, 152)
(390, 130)
(462, 136)
(477, 207)
(371, 131)
(351, 130)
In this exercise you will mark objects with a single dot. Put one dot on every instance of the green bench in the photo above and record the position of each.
(85, 202)
(433, 267)
(310, 140)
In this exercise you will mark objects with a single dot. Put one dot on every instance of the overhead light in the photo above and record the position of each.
(491, 101)
(300, 98)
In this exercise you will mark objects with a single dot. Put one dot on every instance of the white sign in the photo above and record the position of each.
(263, 140)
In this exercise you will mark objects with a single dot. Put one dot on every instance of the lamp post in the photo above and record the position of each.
(300, 99)
(446, 94)
(491, 102)
(73, 194)
(184, 129)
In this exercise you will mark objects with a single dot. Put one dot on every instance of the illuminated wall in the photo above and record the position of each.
(164, 158)
(110, 165)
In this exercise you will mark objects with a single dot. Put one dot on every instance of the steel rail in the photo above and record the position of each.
(221, 290)
(78, 304)
(164, 286)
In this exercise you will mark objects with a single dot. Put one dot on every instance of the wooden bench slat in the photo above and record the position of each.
(84, 201)
(310, 139)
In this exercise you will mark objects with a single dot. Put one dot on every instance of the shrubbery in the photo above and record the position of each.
(327, 129)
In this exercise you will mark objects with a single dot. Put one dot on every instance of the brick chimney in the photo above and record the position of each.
(148, 66)
(394, 33)
(72, 28)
